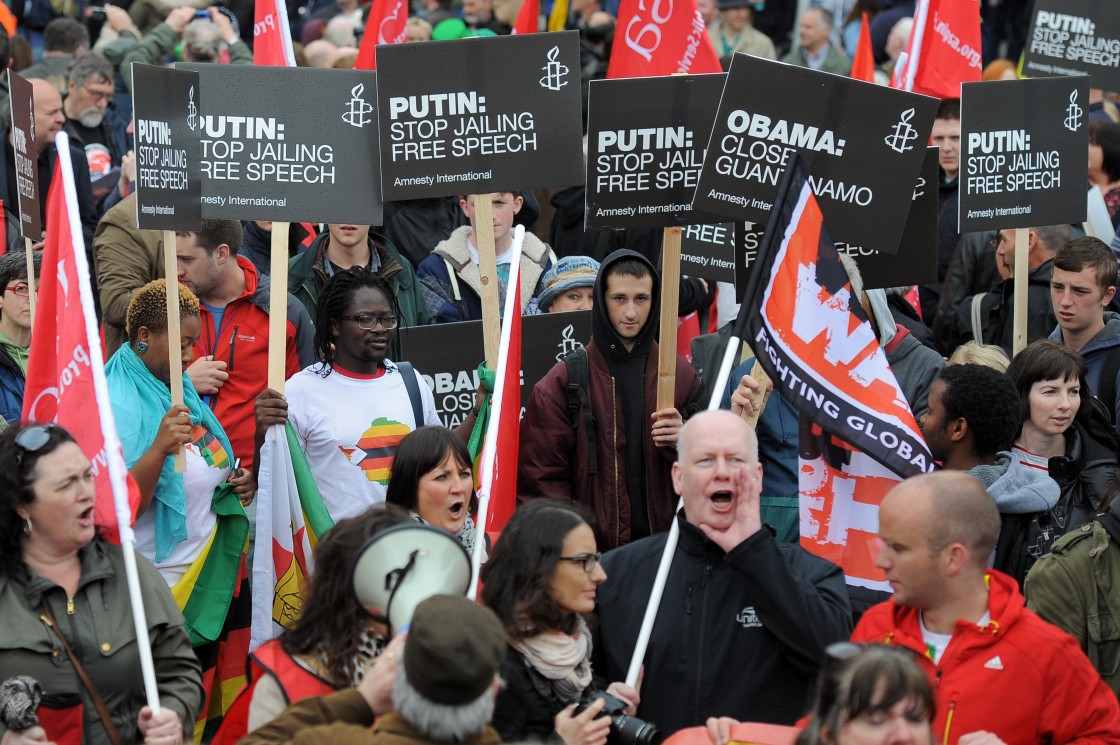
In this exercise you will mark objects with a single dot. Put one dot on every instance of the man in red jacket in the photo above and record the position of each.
(1000, 673)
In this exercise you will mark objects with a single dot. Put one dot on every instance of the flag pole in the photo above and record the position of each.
(118, 474)
(486, 477)
(916, 37)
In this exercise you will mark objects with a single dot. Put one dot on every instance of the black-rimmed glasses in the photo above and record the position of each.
(369, 322)
(588, 561)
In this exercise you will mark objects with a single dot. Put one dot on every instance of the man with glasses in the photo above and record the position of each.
(351, 409)
(15, 331)
(231, 355)
(90, 94)
(744, 621)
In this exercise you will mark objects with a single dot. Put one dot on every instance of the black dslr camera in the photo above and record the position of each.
(625, 730)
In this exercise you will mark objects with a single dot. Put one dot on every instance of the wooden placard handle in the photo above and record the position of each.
(174, 335)
(278, 307)
(670, 302)
(488, 269)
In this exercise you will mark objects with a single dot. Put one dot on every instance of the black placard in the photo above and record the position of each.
(474, 116)
(21, 99)
(1023, 146)
(860, 142)
(289, 144)
(1075, 37)
(166, 105)
(708, 251)
(916, 260)
(447, 356)
(645, 145)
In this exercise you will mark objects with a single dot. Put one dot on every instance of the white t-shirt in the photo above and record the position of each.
(349, 428)
(936, 644)
(208, 465)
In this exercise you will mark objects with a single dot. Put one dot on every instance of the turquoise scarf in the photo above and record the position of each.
(140, 402)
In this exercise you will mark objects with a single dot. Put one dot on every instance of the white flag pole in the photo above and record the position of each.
(114, 455)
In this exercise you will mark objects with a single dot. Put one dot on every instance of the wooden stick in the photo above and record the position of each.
(1022, 257)
(670, 301)
(31, 294)
(488, 268)
(278, 308)
(759, 398)
(174, 337)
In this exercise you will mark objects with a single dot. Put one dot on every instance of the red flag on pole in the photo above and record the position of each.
(528, 18)
(863, 64)
(947, 49)
(272, 39)
(66, 369)
(387, 24)
(647, 43)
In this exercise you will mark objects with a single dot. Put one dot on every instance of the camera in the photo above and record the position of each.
(625, 730)
(97, 13)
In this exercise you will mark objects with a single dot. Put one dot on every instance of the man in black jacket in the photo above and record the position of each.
(744, 621)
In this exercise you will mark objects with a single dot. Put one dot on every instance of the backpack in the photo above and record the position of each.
(579, 403)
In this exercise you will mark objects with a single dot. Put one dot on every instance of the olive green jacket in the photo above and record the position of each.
(1076, 587)
(100, 631)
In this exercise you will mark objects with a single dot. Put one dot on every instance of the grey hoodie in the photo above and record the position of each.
(1016, 489)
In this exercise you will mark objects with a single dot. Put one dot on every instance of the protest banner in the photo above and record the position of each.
(447, 355)
(475, 116)
(1023, 163)
(660, 38)
(25, 150)
(1075, 37)
(645, 145)
(860, 142)
(165, 105)
(708, 251)
(265, 159)
(478, 116)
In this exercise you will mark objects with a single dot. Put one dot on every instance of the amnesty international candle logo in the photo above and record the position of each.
(477, 115)
(555, 72)
(360, 111)
(1073, 113)
(192, 111)
(567, 342)
(902, 136)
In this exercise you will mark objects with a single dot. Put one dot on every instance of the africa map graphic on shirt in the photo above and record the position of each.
(375, 450)
(208, 447)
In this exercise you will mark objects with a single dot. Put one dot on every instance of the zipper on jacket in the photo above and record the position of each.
(948, 722)
(69, 606)
(688, 602)
(700, 636)
(614, 459)
(232, 341)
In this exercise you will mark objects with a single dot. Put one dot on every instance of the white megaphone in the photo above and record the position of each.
(403, 566)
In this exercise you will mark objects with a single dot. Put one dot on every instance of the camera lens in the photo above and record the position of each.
(631, 731)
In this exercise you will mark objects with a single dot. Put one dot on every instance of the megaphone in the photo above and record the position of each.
(403, 566)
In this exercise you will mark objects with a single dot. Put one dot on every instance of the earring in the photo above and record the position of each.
(141, 347)
(27, 527)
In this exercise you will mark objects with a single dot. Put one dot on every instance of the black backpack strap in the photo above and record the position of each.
(408, 375)
(1106, 383)
(578, 379)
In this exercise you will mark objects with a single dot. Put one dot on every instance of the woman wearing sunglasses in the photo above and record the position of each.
(541, 580)
(66, 612)
(192, 524)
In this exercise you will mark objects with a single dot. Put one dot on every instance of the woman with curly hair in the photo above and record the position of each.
(192, 525)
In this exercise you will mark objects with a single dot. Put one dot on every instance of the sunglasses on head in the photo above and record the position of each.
(33, 439)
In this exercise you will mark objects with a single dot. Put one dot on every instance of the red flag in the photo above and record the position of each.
(649, 43)
(863, 64)
(387, 24)
(528, 18)
(272, 39)
(66, 370)
(949, 51)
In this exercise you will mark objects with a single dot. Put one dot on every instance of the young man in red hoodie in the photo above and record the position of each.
(1000, 673)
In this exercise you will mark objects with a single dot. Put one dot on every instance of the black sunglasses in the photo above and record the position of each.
(33, 439)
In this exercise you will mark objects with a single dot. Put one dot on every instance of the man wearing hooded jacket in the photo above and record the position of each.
(629, 491)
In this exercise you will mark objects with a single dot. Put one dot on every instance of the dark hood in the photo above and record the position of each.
(607, 340)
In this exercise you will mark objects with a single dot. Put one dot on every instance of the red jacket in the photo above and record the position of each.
(242, 343)
(1019, 677)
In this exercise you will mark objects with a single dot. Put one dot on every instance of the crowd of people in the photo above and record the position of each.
(1003, 564)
